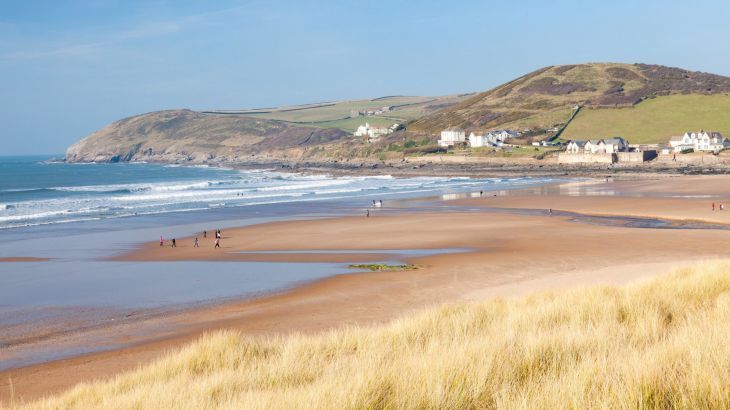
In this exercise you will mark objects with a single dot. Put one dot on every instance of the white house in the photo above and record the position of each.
(699, 141)
(374, 132)
(575, 146)
(616, 144)
(594, 147)
(501, 135)
(681, 143)
(476, 141)
(452, 136)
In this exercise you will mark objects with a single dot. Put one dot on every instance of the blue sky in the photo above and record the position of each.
(68, 68)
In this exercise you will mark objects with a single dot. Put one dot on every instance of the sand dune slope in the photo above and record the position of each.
(656, 344)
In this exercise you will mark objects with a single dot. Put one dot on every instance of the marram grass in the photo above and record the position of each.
(653, 345)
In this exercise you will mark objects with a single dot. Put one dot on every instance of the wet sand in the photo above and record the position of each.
(508, 255)
(688, 198)
(23, 259)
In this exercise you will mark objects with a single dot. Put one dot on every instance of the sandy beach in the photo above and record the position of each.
(497, 254)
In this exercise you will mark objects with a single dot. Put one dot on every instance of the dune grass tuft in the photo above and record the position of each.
(652, 345)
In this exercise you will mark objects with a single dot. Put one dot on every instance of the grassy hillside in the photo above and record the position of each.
(544, 98)
(654, 120)
(657, 345)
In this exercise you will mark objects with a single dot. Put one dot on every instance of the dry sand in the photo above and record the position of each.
(509, 255)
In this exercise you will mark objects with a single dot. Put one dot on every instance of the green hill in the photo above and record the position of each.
(654, 120)
(546, 98)
(644, 103)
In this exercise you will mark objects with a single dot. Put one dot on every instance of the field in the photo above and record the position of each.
(351, 124)
(337, 114)
(655, 345)
(654, 120)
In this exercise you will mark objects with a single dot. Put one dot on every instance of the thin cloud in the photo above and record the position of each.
(150, 30)
(76, 50)
(141, 31)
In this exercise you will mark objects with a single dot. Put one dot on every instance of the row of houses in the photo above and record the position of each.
(598, 146)
(454, 136)
(617, 149)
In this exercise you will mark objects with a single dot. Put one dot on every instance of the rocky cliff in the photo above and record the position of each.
(189, 136)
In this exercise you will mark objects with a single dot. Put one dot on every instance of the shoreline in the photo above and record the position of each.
(509, 255)
(476, 167)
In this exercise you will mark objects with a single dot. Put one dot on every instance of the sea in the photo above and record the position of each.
(37, 191)
(80, 215)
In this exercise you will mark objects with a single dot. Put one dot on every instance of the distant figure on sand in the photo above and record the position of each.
(217, 243)
(205, 234)
(367, 213)
(722, 207)
(174, 244)
(481, 193)
(162, 241)
(713, 206)
(196, 245)
(381, 203)
(550, 211)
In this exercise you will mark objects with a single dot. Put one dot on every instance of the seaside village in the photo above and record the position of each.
(602, 151)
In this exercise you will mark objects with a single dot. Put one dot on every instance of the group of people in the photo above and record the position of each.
(721, 207)
(196, 243)
(376, 204)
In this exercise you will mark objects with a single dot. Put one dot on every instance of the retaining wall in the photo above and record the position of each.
(570, 158)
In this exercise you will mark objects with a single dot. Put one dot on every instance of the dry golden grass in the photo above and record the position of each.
(658, 344)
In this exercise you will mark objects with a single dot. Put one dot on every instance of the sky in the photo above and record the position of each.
(68, 68)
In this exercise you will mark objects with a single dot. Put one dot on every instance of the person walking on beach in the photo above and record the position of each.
(162, 241)
(205, 234)
(550, 211)
(367, 213)
(174, 244)
(722, 207)
(196, 245)
(217, 243)
(713, 206)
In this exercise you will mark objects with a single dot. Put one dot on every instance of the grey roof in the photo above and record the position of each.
(579, 143)
(615, 140)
